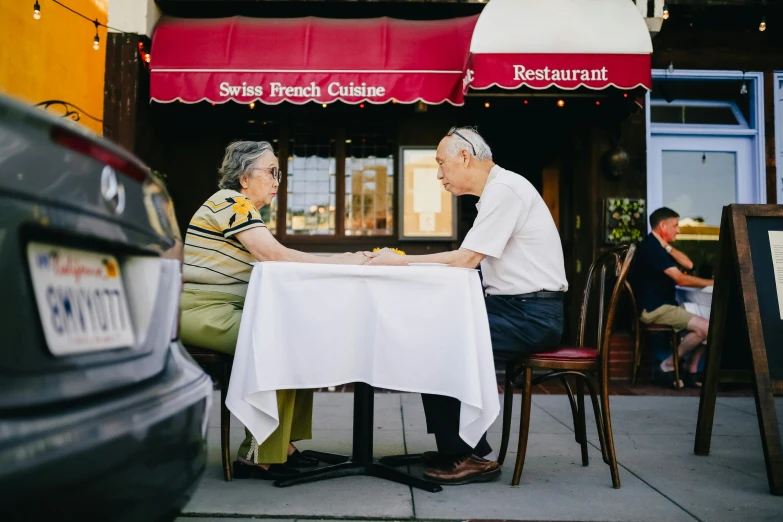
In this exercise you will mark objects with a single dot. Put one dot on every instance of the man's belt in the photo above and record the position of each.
(538, 295)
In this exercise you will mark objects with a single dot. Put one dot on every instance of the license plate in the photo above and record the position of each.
(81, 299)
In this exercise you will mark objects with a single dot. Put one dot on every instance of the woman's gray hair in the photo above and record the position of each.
(238, 160)
(468, 136)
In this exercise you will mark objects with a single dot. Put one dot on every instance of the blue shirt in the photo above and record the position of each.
(651, 286)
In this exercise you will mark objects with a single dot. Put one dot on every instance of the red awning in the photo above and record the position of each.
(310, 59)
(560, 43)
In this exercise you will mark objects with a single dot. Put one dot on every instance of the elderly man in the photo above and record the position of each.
(653, 276)
(515, 241)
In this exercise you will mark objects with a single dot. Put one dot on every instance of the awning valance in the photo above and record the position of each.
(309, 59)
(560, 43)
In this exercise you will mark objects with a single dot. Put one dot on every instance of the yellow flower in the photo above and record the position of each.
(395, 250)
(243, 206)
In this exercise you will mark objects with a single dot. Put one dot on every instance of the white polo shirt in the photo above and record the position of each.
(515, 230)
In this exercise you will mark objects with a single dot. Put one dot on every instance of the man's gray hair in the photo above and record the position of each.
(238, 160)
(467, 137)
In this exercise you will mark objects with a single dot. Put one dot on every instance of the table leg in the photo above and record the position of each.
(361, 461)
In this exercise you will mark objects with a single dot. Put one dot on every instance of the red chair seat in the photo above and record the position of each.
(568, 353)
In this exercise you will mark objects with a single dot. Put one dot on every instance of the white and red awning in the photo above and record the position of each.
(565, 44)
(299, 60)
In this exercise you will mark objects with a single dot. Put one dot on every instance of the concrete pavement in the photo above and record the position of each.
(661, 477)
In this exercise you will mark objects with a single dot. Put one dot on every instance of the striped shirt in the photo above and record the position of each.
(214, 259)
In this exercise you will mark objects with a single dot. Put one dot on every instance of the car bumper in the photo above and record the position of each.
(135, 455)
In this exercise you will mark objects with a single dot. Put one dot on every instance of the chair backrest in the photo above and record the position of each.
(605, 284)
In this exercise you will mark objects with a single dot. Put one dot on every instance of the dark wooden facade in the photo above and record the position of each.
(537, 139)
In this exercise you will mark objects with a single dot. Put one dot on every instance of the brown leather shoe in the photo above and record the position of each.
(464, 471)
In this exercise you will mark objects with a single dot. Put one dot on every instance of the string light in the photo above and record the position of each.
(486, 104)
(323, 105)
(96, 42)
(561, 103)
(525, 102)
(597, 102)
(763, 24)
(252, 105)
(665, 12)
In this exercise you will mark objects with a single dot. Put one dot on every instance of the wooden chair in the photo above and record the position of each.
(588, 363)
(216, 363)
(642, 332)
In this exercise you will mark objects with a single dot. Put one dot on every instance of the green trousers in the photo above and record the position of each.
(211, 320)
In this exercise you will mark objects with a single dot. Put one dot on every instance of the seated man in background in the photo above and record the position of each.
(653, 276)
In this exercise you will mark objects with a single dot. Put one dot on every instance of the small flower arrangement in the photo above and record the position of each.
(625, 220)
(395, 250)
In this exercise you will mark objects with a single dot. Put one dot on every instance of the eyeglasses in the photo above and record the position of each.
(274, 171)
(453, 131)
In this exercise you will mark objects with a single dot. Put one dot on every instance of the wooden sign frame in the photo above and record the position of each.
(735, 288)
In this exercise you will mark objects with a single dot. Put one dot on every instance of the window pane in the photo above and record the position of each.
(269, 215)
(310, 190)
(369, 185)
(693, 115)
(697, 185)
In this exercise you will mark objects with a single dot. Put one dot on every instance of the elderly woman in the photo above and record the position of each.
(224, 237)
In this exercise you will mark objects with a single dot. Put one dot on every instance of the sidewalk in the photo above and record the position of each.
(661, 477)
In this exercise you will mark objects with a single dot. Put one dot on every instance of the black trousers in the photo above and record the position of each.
(517, 326)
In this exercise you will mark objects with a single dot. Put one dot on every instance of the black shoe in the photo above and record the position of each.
(667, 379)
(297, 460)
(693, 380)
(275, 471)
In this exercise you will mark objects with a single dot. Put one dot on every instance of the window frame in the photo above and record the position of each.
(338, 134)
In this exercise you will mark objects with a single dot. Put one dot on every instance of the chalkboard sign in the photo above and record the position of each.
(746, 323)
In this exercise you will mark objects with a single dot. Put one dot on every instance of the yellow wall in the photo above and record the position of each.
(52, 58)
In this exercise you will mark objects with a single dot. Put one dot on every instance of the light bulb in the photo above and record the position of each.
(763, 24)
(36, 11)
(561, 103)
(323, 105)
(671, 67)
(96, 42)
(744, 88)
(665, 12)
(252, 105)
(486, 104)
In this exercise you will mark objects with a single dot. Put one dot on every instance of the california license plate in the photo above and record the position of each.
(81, 299)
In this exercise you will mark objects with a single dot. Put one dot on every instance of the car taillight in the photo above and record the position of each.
(84, 145)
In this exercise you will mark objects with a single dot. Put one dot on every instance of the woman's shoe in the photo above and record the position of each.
(250, 471)
(297, 460)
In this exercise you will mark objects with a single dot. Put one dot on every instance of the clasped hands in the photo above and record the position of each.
(384, 256)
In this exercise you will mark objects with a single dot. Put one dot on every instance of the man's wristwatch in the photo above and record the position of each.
(668, 248)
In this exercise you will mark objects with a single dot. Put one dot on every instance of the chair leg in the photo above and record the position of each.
(508, 409)
(608, 433)
(582, 425)
(574, 409)
(676, 358)
(524, 425)
(599, 425)
(225, 423)
(637, 355)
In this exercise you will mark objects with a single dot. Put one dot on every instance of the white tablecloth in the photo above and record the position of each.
(696, 300)
(411, 328)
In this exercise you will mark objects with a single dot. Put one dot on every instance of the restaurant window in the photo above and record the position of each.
(311, 202)
(369, 185)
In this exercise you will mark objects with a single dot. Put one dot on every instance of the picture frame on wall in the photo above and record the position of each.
(625, 220)
(427, 212)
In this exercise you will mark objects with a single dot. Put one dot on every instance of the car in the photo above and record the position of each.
(103, 414)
